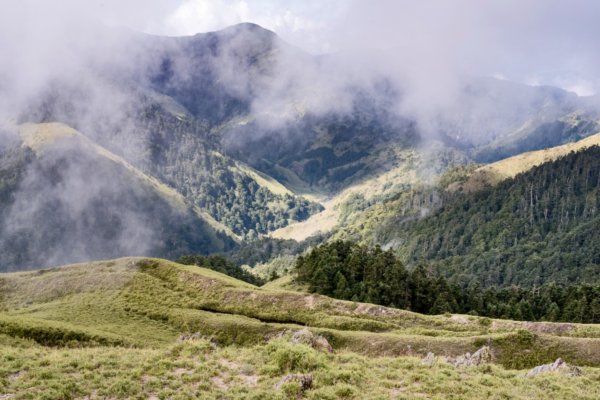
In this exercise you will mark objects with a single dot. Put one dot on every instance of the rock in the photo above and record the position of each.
(557, 366)
(198, 336)
(303, 336)
(317, 342)
(481, 356)
(322, 344)
(304, 380)
(429, 359)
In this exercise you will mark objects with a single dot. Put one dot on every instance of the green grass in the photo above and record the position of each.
(197, 370)
(109, 330)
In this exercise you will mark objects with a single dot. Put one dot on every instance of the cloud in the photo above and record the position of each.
(302, 23)
(420, 54)
(435, 38)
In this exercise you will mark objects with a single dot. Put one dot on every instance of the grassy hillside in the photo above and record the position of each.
(111, 329)
(411, 168)
(492, 174)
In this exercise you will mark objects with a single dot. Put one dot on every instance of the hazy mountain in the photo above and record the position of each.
(241, 125)
(66, 199)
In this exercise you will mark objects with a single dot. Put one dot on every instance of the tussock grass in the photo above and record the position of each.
(195, 369)
(109, 330)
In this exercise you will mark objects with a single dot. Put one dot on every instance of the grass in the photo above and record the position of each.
(109, 330)
(196, 369)
(494, 173)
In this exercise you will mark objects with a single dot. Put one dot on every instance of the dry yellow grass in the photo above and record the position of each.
(328, 219)
(498, 171)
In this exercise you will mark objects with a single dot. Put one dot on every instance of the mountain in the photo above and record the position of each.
(260, 138)
(535, 228)
(66, 198)
(493, 173)
(151, 327)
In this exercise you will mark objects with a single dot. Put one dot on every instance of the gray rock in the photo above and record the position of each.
(317, 342)
(429, 359)
(304, 380)
(481, 356)
(557, 366)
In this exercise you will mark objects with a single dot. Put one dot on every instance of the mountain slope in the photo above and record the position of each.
(74, 200)
(498, 171)
(247, 129)
(122, 318)
(537, 227)
(130, 286)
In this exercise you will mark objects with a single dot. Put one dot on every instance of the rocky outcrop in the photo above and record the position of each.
(481, 356)
(304, 380)
(557, 366)
(317, 342)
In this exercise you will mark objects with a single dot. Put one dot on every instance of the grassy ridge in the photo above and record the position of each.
(128, 313)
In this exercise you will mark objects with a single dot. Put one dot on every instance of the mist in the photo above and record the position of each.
(464, 73)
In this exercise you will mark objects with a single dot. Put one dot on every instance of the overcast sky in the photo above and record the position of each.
(531, 41)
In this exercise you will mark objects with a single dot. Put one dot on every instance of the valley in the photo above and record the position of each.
(226, 215)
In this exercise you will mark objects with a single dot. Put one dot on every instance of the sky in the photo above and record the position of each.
(536, 42)
(427, 49)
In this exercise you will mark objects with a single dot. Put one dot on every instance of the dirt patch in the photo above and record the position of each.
(460, 319)
(249, 380)
(93, 395)
(15, 376)
(182, 371)
(551, 328)
(218, 382)
(373, 310)
(229, 364)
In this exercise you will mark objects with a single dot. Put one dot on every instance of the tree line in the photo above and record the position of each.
(349, 271)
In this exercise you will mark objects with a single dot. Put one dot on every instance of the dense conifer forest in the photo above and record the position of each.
(538, 228)
(349, 271)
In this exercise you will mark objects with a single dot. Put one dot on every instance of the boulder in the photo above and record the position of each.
(481, 356)
(317, 342)
(557, 366)
(304, 380)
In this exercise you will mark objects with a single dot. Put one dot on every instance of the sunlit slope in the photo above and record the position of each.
(150, 302)
(498, 171)
(413, 168)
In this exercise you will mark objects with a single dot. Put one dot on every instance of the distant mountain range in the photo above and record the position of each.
(187, 145)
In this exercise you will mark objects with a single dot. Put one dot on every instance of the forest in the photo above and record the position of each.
(191, 162)
(349, 271)
(537, 228)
